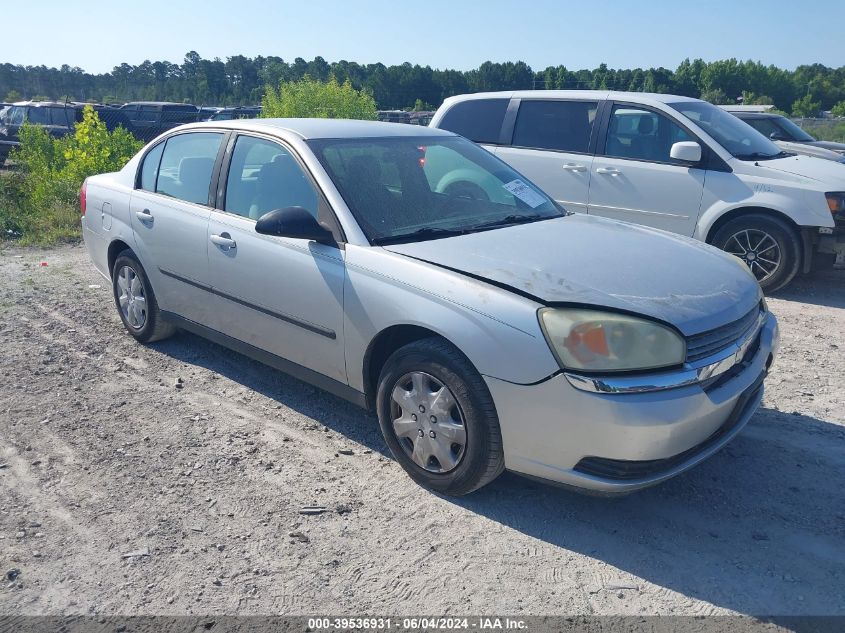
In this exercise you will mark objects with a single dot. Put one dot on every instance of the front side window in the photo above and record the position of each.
(264, 176)
(738, 138)
(415, 188)
(187, 164)
(791, 130)
(557, 125)
(642, 135)
(16, 115)
(479, 120)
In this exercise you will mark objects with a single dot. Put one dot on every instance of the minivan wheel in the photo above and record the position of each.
(768, 246)
(438, 418)
(135, 300)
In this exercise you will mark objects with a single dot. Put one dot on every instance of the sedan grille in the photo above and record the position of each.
(707, 343)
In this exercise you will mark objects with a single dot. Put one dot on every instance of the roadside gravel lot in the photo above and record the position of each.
(123, 493)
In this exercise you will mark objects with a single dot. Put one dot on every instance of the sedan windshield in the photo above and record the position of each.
(735, 135)
(417, 188)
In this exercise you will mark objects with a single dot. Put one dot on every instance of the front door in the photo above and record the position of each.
(634, 178)
(281, 295)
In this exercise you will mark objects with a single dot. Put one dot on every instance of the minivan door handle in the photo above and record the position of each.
(224, 241)
(574, 167)
(145, 216)
(608, 170)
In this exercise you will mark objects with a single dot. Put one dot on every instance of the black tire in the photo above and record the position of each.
(787, 240)
(154, 328)
(482, 457)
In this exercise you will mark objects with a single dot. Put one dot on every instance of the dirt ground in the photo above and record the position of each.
(121, 493)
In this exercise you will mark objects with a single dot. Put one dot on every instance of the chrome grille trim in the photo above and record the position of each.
(706, 344)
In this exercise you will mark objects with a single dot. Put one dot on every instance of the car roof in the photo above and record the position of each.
(44, 104)
(324, 128)
(756, 115)
(641, 97)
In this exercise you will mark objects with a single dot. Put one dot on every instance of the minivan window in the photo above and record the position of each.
(642, 134)
(479, 120)
(187, 164)
(414, 188)
(264, 176)
(557, 125)
(736, 136)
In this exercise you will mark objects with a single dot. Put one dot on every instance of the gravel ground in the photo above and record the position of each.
(170, 479)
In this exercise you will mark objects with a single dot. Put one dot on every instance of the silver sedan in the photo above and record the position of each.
(412, 272)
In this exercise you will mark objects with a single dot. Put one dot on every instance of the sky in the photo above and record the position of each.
(459, 34)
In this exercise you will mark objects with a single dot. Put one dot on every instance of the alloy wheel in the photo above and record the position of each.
(758, 249)
(133, 303)
(428, 422)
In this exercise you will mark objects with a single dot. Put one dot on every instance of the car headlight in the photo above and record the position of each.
(590, 340)
(835, 201)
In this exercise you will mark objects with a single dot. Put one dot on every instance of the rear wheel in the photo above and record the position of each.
(135, 300)
(438, 418)
(768, 246)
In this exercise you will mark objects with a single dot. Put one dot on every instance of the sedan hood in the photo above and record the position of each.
(591, 261)
(810, 149)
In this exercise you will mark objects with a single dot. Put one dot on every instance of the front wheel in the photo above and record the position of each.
(438, 418)
(769, 247)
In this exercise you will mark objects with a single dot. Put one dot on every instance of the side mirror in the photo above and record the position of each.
(686, 151)
(777, 136)
(294, 222)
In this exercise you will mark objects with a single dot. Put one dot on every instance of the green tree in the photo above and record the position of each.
(311, 98)
(838, 109)
(716, 96)
(805, 107)
(12, 96)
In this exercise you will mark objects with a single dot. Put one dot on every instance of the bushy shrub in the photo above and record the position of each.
(311, 98)
(38, 201)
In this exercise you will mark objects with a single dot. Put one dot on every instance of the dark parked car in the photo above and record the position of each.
(241, 112)
(57, 118)
(151, 118)
(790, 136)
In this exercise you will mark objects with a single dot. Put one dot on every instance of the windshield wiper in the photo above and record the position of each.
(423, 233)
(514, 218)
(761, 156)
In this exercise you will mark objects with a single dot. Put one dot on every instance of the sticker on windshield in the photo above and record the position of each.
(524, 193)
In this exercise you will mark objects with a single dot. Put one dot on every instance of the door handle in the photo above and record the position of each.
(224, 241)
(574, 167)
(608, 170)
(145, 216)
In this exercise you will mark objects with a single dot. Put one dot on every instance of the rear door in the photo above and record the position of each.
(634, 178)
(552, 146)
(282, 295)
(169, 211)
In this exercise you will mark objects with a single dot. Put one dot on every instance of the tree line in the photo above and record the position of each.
(241, 80)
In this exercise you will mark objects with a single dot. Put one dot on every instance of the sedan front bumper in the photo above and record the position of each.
(620, 442)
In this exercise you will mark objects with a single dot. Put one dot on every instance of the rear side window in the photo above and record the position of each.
(479, 120)
(186, 166)
(149, 169)
(557, 125)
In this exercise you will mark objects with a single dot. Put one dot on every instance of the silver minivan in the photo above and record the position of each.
(669, 162)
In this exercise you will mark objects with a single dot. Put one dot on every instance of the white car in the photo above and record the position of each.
(669, 162)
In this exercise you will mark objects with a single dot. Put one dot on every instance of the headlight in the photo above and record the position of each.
(590, 340)
(835, 201)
